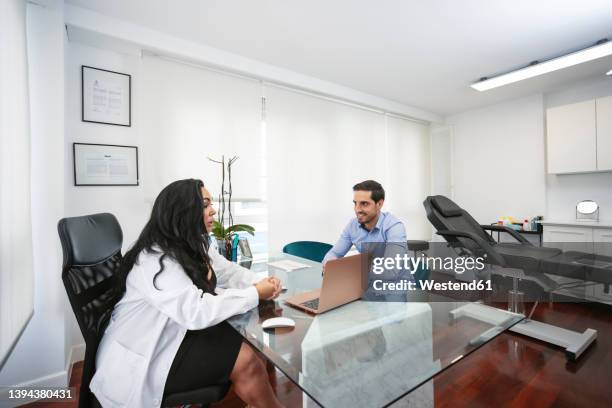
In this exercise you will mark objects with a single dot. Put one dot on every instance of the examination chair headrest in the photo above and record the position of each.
(446, 207)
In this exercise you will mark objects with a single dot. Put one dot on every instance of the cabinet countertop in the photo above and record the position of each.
(588, 224)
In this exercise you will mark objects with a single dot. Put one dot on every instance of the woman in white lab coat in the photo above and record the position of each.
(168, 333)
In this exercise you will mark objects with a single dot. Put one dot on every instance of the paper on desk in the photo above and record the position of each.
(288, 265)
(261, 275)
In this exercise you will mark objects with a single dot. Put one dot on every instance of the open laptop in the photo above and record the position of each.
(343, 282)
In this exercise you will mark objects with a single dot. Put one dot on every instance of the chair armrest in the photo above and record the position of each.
(501, 228)
(492, 255)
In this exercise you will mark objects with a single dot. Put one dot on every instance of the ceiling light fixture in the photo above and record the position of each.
(609, 72)
(601, 49)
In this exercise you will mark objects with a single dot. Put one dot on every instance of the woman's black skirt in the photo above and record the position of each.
(205, 357)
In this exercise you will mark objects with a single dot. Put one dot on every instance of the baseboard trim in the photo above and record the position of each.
(55, 380)
(77, 353)
(60, 379)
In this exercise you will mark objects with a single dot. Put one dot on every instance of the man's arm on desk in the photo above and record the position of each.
(341, 247)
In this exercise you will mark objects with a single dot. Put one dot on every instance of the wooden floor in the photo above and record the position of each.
(509, 371)
(516, 371)
(288, 393)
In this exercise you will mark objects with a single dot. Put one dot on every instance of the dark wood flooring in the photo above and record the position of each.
(516, 371)
(509, 371)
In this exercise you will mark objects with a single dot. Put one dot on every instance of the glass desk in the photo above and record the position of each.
(365, 354)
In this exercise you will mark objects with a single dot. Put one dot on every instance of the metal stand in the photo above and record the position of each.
(573, 342)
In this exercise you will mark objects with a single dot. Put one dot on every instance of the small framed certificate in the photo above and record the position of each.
(105, 165)
(106, 96)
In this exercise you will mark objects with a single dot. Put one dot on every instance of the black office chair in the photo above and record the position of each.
(92, 252)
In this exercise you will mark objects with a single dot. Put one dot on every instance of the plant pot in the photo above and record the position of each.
(225, 248)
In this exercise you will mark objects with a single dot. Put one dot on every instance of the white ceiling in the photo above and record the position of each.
(423, 53)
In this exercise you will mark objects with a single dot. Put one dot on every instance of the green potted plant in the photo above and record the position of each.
(222, 233)
(225, 236)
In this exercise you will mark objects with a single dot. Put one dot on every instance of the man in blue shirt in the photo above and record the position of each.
(371, 224)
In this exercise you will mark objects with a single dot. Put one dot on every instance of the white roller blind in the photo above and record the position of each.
(16, 272)
(409, 174)
(303, 162)
(317, 150)
(441, 142)
(189, 114)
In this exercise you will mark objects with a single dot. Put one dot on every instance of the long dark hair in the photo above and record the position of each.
(176, 229)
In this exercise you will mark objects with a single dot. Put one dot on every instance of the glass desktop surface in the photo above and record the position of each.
(365, 354)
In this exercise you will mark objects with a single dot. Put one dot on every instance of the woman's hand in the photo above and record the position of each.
(278, 287)
(268, 288)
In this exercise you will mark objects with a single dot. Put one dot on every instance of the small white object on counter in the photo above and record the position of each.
(278, 322)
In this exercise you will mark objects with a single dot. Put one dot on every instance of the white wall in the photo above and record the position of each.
(127, 203)
(498, 160)
(40, 354)
(441, 160)
(564, 191)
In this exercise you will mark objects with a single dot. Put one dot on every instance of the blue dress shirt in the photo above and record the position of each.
(387, 229)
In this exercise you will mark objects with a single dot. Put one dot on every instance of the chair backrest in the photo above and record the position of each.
(92, 252)
(444, 214)
(313, 250)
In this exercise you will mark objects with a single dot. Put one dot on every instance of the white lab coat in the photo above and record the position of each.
(148, 325)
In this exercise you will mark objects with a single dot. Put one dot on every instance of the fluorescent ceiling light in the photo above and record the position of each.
(575, 58)
(609, 72)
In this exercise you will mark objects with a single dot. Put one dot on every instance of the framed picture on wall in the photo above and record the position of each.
(105, 165)
(106, 96)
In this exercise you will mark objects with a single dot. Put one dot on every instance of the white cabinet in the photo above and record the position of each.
(569, 238)
(603, 246)
(604, 133)
(602, 239)
(571, 138)
(584, 239)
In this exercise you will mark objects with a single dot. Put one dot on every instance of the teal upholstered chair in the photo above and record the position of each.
(315, 251)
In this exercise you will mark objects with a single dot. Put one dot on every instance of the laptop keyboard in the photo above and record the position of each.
(312, 304)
